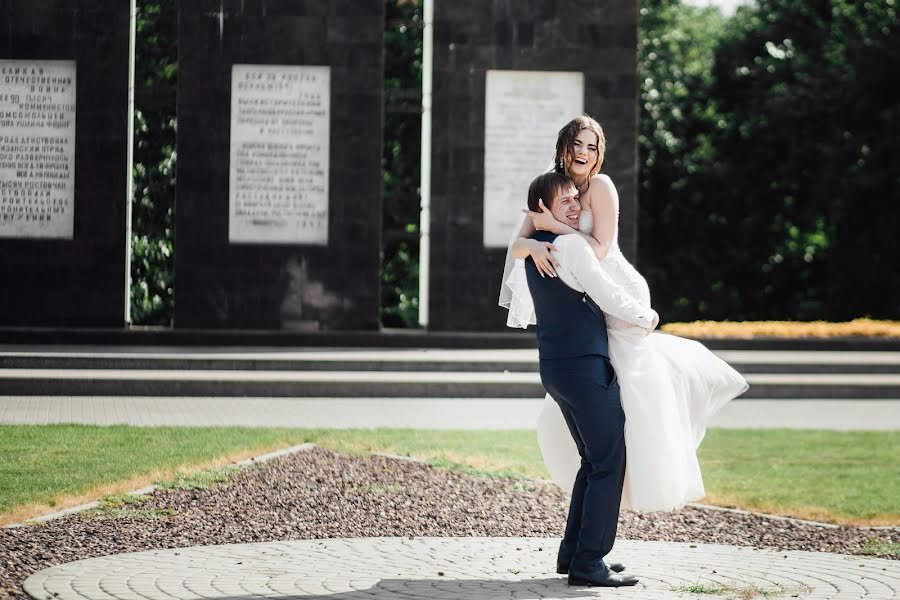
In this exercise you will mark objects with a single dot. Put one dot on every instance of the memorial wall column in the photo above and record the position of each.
(507, 77)
(278, 207)
(63, 162)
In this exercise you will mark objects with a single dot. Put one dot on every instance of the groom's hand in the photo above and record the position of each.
(545, 262)
(654, 323)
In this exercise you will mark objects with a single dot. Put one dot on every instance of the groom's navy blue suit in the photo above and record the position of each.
(576, 372)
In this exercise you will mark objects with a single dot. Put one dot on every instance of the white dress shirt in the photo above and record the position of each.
(580, 270)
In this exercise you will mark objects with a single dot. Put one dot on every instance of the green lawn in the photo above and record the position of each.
(61, 465)
(823, 475)
(834, 476)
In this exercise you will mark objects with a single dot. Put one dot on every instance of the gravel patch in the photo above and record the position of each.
(322, 494)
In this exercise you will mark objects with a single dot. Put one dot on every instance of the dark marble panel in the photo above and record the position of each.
(282, 8)
(597, 37)
(280, 286)
(77, 282)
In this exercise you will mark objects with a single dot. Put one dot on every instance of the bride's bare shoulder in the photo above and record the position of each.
(604, 199)
(602, 180)
(602, 189)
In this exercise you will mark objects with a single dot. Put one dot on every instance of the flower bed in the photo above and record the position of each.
(785, 329)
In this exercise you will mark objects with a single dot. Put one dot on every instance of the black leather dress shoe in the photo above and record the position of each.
(563, 567)
(601, 579)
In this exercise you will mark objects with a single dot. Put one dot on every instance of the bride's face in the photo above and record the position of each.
(581, 162)
(566, 207)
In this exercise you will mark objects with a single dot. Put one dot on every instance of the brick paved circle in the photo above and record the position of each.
(456, 568)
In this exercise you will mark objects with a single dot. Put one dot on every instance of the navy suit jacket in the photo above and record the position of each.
(569, 323)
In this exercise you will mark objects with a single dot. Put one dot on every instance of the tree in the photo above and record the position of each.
(153, 202)
(809, 96)
(678, 119)
(400, 163)
(767, 180)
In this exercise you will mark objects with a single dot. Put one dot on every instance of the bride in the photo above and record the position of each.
(670, 386)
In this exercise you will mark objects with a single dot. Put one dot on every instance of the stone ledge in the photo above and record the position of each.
(384, 338)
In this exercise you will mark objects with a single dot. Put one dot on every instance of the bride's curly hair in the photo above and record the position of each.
(565, 143)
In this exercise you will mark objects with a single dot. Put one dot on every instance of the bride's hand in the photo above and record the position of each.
(544, 220)
(655, 322)
(545, 262)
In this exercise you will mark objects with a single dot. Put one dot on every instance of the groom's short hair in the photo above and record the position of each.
(546, 186)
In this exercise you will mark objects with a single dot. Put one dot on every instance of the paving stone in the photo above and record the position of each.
(423, 413)
(457, 568)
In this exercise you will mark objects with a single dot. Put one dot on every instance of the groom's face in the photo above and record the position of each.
(566, 207)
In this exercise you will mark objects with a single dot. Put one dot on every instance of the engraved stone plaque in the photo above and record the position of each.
(37, 148)
(278, 174)
(524, 111)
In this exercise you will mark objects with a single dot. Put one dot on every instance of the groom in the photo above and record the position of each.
(576, 372)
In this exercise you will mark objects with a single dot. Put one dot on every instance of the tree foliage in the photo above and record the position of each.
(400, 163)
(153, 202)
(790, 214)
(677, 125)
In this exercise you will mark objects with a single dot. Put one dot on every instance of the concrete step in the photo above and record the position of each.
(419, 360)
(414, 360)
(351, 384)
(401, 373)
(386, 338)
(401, 384)
(823, 361)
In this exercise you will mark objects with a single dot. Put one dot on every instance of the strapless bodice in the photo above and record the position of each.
(619, 269)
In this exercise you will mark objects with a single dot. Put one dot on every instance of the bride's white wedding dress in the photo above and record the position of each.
(670, 387)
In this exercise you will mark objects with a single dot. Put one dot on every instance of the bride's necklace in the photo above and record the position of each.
(583, 186)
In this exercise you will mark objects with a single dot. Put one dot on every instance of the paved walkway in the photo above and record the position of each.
(457, 568)
(375, 377)
(421, 413)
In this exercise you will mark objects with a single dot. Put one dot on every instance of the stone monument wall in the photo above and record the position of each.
(505, 74)
(63, 154)
(278, 207)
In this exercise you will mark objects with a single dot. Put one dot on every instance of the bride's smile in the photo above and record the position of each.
(582, 161)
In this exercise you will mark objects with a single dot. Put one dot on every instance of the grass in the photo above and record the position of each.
(200, 480)
(483, 453)
(50, 467)
(701, 588)
(741, 592)
(876, 547)
(839, 477)
(116, 506)
(114, 511)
